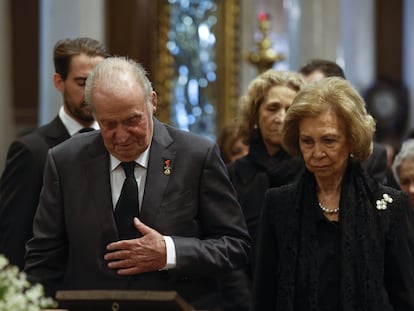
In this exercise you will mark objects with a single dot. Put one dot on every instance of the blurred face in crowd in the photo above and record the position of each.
(125, 119)
(314, 76)
(238, 150)
(324, 145)
(406, 174)
(73, 88)
(272, 113)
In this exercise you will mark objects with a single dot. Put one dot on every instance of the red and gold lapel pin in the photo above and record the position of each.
(167, 167)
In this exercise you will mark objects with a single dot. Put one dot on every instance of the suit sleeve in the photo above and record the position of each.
(47, 251)
(266, 260)
(223, 243)
(399, 261)
(20, 186)
(376, 164)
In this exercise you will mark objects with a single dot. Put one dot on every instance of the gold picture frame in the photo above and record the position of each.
(228, 56)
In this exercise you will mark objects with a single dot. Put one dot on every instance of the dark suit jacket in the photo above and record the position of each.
(20, 186)
(195, 204)
(388, 233)
(376, 165)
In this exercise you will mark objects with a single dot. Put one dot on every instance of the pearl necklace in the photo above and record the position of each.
(328, 210)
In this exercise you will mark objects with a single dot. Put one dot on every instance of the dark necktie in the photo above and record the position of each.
(127, 206)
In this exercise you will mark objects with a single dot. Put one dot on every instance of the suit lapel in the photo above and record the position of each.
(97, 172)
(56, 132)
(157, 179)
(97, 164)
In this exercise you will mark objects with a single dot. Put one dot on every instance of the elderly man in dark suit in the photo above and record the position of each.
(187, 224)
(22, 178)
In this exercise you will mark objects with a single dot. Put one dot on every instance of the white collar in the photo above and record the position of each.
(71, 124)
(142, 159)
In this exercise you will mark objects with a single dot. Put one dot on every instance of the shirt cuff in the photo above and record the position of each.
(171, 256)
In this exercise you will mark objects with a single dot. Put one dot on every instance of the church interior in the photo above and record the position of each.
(201, 55)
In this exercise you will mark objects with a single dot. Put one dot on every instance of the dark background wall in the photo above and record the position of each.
(25, 62)
(131, 28)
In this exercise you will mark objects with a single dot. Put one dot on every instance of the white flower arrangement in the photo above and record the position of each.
(17, 294)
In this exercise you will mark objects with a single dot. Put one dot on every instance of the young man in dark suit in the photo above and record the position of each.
(22, 178)
(185, 224)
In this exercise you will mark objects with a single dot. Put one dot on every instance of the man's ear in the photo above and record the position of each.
(58, 82)
(154, 101)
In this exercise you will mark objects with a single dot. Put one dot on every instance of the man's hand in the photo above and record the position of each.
(144, 254)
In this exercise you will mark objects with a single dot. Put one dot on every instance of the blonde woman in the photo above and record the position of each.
(336, 239)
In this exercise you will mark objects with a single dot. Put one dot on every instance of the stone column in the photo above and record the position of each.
(357, 42)
(63, 19)
(338, 30)
(408, 56)
(313, 30)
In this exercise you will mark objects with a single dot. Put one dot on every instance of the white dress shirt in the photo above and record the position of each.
(117, 179)
(72, 125)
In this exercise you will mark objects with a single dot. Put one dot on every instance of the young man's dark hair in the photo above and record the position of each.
(326, 67)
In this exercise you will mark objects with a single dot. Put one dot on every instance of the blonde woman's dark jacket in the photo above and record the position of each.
(368, 253)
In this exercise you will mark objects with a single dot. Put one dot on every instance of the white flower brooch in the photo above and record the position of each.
(382, 204)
